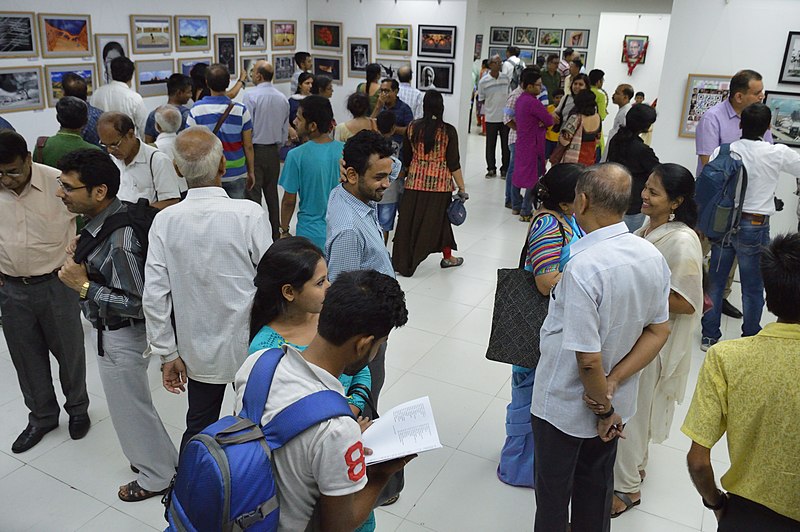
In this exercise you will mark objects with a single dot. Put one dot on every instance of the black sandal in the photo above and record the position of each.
(133, 492)
(457, 261)
(627, 501)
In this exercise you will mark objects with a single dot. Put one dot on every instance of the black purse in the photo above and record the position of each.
(398, 480)
(519, 312)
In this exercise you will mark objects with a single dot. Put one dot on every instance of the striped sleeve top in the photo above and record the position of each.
(207, 112)
(545, 243)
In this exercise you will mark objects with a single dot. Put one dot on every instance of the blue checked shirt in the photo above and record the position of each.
(90, 129)
(355, 238)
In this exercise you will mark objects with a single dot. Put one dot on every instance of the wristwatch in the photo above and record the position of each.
(607, 414)
(84, 290)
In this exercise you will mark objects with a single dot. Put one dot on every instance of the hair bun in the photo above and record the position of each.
(542, 192)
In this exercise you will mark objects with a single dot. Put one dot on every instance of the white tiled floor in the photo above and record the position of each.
(67, 485)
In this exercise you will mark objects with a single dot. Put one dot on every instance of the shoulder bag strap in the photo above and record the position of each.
(527, 237)
(366, 394)
(152, 175)
(223, 118)
(258, 384)
(39, 151)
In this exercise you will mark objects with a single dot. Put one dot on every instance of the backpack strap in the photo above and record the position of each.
(38, 152)
(152, 175)
(303, 414)
(223, 118)
(258, 384)
(86, 244)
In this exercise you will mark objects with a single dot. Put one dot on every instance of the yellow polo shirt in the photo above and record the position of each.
(750, 388)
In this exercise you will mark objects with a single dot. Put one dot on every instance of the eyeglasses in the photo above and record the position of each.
(113, 145)
(12, 175)
(68, 188)
(387, 91)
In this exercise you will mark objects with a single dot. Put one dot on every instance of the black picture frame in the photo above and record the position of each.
(328, 65)
(790, 68)
(500, 35)
(525, 36)
(642, 41)
(785, 126)
(435, 75)
(436, 41)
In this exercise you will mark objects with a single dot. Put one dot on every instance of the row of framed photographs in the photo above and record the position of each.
(538, 37)
(63, 35)
(530, 56)
(391, 39)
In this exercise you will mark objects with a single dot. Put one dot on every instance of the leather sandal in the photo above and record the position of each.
(133, 492)
(627, 501)
(455, 261)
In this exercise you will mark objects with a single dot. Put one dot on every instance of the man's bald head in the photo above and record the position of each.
(607, 188)
(264, 69)
(404, 74)
(198, 156)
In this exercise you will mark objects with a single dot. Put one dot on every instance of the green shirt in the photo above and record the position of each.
(58, 146)
(552, 82)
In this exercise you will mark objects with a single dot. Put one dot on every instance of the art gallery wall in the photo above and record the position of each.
(647, 77)
(113, 17)
(711, 38)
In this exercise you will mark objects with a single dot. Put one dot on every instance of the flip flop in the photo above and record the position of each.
(627, 501)
(133, 492)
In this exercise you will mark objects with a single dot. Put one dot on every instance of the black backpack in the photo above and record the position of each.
(138, 216)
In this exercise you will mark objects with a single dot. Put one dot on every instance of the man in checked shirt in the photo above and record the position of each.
(110, 282)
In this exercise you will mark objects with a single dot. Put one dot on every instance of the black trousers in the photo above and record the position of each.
(205, 403)
(267, 169)
(493, 129)
(39, 319)
(580, 470)
(744, 515)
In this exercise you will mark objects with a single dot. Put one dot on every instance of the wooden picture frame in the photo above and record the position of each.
(151, 76)
(54, 73)
(19, 34)
(703, 91)
(107, 46)
(328, 65)
(226, 53)
(247, 64)
(30, 92)
(394, 39)
(249, 42)
(284, 67)
(359, 55)
(326, 36)
(151, 34)
(65, 35)
(641, 41)
(192, 33)
(283, 34)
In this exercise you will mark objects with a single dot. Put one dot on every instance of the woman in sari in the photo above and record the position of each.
(580, 131)
(668, 200)
(552, 231)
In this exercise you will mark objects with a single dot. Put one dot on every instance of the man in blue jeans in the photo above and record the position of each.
(764, 163)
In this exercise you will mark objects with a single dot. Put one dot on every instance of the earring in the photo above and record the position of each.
(671, 216)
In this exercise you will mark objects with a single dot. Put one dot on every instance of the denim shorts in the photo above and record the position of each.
(386, 215)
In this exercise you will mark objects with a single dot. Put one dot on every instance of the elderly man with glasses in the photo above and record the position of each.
(41, 315)
(145, 172)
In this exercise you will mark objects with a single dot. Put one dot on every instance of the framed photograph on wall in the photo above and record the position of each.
(785, 107)
(436, 41)
(550, 38)
(184, 64)
(528, 56)
(476, 53)
(500, 35)
(247, 66)
(703, 91)
(437, 76)
(23, 89)
(584, 57)
(252, 34)
(545, 53)
(393, 39)
(635, 49)
(18, 34)
(225, 51)
(326, 36)
(108, 46)
(151, 34)
(65, 35)
(284, 34)
(524, 36)
(391, 66)
(192, 33)
(359, 55)
(152, 76)
(328, 65)
(284, 67)
(576, 38)
(54, 74)
(790, 68)
(493, 51)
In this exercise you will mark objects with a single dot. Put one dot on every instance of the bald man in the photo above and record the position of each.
(607, 321)
(196, 355)
(408, 93)
(269, 109)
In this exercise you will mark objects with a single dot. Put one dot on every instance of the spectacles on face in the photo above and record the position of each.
(12, 175)
(386, 91)
(114, 145)
(69, 188)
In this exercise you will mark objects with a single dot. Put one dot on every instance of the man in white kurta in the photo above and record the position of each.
(201, 262)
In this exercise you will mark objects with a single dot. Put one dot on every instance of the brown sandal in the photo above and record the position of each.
(133, 492)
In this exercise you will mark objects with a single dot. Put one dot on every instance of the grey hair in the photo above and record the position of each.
(197, 156)
(608, 187)
(168, 118)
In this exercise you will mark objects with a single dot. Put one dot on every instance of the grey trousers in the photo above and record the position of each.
(267, 167)
(377, 369)
(141, 434)
(40, 319)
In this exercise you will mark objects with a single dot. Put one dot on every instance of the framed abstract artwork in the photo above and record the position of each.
(225, 52)
(18, 35)
(326, 36)
(394, 39)
(436, 41)
(65, 35)
(284, 34)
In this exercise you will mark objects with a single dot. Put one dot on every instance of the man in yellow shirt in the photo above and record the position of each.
(748, 388)
(596, 79)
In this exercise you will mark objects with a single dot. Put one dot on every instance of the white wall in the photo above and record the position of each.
(647, 77)
(714, 38)
(112, 17)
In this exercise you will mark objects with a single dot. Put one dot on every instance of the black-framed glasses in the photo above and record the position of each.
(69, 188)
(12, 175)
(113, 145)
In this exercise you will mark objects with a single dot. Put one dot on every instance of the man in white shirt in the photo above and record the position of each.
(622, 98)
(609, 312)
(117, 95)
(493, 92)
(513, 64)
(269, 111)
(764, 163)
(168, 122)
(206, 228)
(303, 63)
(409, 94)
(324, 466)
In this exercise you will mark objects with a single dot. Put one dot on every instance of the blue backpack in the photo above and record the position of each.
(225, 479)
(719, 185)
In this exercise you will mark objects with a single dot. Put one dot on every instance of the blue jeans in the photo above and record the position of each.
(513, 196)
(387, 212)
(235, 188)
(746, 245)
